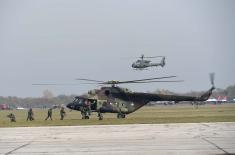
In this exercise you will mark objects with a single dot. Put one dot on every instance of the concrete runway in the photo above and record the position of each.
(181, 139)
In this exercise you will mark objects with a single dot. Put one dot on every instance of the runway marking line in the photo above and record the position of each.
(10, 152)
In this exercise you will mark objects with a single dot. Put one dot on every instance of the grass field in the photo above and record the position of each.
(145, 115)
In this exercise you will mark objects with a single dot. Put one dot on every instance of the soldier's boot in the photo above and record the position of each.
(83, 115)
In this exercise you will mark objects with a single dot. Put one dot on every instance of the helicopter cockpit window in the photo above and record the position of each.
(80, 101)
(75, 100)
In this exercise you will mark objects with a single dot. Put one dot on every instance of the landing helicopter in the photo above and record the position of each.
(122, 101)
(142, 63)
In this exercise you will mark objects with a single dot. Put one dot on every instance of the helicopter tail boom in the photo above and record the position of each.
(148, 97)
(162, 63)
(206, 95)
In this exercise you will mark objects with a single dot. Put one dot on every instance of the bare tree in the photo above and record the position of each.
(47, 94)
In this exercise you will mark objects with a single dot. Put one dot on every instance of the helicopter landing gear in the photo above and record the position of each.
(100, 116)
(120, 115)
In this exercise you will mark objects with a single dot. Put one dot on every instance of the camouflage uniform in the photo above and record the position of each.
(30, 115)
(86, 109)
(83, 112)
(12, 117)
(62, 113)
(49, 114)
(89, 108)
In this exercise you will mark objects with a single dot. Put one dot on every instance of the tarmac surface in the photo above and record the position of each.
(181, 139)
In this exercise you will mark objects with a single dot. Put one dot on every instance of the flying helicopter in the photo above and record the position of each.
(122, 101)
(142, 63)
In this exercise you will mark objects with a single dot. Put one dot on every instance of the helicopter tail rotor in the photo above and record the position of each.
(163, 62)
(207, 94)
(142, 56)
(212, 79)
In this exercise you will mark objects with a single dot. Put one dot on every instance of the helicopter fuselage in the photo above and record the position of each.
(122, 101)
(141, 64)
(104, 102)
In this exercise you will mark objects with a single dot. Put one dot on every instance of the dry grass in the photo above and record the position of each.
(146, 115)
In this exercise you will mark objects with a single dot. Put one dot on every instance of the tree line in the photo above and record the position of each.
(48, 100)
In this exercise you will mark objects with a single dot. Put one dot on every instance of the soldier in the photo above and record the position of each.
(49, 114)
(88, 107)
(12, 117)
(83, 112)
(30, 115)
(62, 113)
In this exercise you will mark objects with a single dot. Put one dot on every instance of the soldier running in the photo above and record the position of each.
(62, 113)
(88, 107)
(49, 114)
(30, 115)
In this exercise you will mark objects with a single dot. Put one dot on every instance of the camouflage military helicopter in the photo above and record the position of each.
(114, 99)
(142, 63)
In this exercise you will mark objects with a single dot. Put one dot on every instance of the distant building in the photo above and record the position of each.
(222, 99)
(212, 100)
(20, 108)
(3, 106)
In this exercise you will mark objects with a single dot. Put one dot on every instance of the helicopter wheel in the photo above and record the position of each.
(84, 116)
(100, 116)
(120, 115)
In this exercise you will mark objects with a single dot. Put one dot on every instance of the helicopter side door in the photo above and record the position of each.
(93, 103)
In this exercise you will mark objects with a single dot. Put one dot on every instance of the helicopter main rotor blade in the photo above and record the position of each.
(134, 81)
(155, 57)
(156, 81)
(54, 84)
(89, 80)
(112, 82)
(142, 57)
(164, 77)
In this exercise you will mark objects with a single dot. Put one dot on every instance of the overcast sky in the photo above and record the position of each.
(57, 41)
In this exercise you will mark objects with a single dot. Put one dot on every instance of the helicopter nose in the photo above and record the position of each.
(70, 106)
